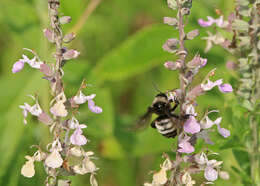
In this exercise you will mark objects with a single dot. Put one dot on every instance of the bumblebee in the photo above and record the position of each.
(167, 121)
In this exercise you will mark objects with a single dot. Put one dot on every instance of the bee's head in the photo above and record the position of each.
(160, 103)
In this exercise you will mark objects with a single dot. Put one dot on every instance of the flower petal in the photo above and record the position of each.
(54, 160)
(28, 168)
(77, 138)
(210, 174)
(224, 132)
(59, 109)
(191, 125)
(225, 88)
(93, 108)
(211, 84)
(18, 66)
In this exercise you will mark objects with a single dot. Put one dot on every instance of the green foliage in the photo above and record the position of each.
(121, 56)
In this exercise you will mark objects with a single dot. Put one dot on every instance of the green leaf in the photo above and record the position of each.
(240, 25)
(101, 125)
(111, 148)
(231, 143)
(243, 159)
(14, 128)
(138, 54)
(150, 141)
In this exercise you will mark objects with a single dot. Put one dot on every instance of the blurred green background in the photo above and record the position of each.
(121, 56)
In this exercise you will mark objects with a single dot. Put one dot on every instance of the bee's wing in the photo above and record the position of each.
(142, 122)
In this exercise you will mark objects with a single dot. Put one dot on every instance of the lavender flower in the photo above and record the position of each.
(225, 88)
(185, 146)
(210, 174)
(62, 111)
(81, 98)
(191, 125)
(77, 138)
(18, 66)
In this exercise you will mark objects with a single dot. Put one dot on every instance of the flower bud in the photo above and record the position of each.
(45, 118)
(49, 34)
(70, 54)
(224, 175)
(192, 34)
(170, 21)
(65, 19)
(69, 37)
(46, 70)
(171, 45)
(172, 65)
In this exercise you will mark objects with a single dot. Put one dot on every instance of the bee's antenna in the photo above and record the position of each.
(156, 87)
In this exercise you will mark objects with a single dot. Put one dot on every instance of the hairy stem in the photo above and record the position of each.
(255, 174)
(183, 85)
(56, 28)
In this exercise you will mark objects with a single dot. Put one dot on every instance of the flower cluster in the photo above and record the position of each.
(194, 127)
(243, 42)
(65, 155)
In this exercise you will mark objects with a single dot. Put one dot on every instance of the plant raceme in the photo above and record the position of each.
(188, 161)
(242, 26)
(64, 156)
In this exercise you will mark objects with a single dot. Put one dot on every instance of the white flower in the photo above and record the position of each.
(210, 173)
(35, 110)
(211, 84)
(59, 109)
(28, 168)
(160, 178)
(81, 99)
(73, 123)
(87, 166)
(32, 62)
(187, 180)
(54, 160)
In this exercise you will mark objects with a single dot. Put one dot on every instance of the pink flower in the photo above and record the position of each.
(203, 62)
(225, 88)
(208, 23)
(219, 22)
(211, 84)
(18, 66)
(172, 65)
(191, 125)
(210, 174)
(185, 146)
(77, 138)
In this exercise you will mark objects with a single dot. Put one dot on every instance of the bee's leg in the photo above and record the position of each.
(186, 116)
(175, 106)
(153, 124)
(170, 114)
